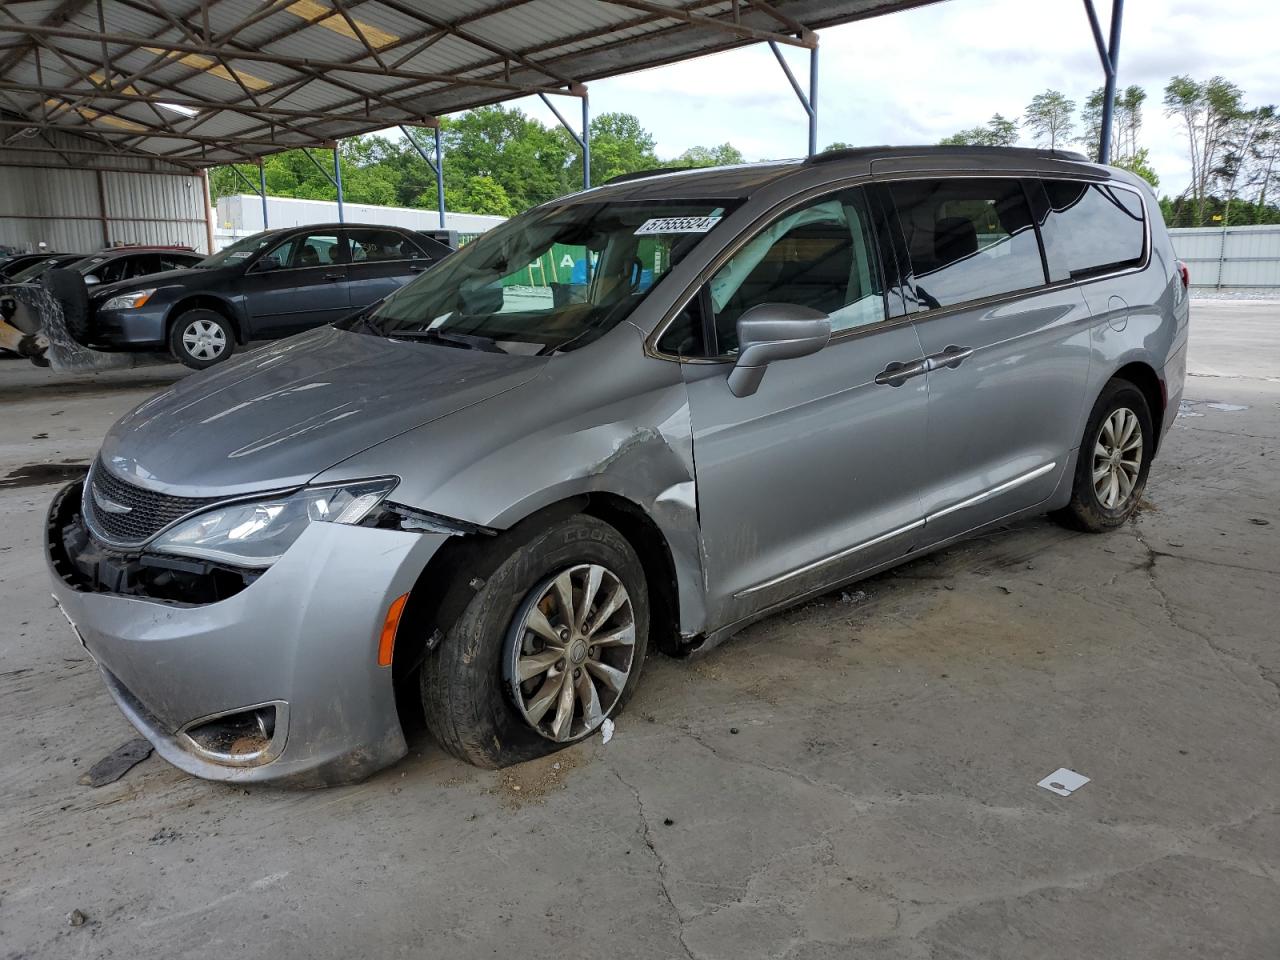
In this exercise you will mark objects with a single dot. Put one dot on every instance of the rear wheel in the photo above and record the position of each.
(1112, 465)
(548, 648)
(201, 338)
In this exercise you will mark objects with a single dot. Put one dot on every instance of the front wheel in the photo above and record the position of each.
(1112, 465)
(549, 647)
(201, 338)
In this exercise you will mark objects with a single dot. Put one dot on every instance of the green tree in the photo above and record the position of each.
(837, 145)
(998, 132)
(724, 155)
(619, 144)
(1049, 117)
(1128, 121)
(476, 195)
(1207, 111)
(1140, 164)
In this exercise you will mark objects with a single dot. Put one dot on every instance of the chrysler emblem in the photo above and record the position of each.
(109, 506)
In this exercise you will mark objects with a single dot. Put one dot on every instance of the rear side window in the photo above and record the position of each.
(1097, 228)
(370, 246)
(968, 238)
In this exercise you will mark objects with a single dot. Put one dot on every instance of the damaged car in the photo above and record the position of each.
(637, 418)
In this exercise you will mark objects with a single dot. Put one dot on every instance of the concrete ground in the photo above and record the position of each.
(853, 778)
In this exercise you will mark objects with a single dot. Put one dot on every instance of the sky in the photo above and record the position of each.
(921, 75)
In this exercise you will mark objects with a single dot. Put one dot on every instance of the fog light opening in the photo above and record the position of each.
(247, 737)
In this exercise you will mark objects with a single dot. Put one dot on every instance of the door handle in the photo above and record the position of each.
(897, 373)
(334, 276)
(417, 267)
(950, 357)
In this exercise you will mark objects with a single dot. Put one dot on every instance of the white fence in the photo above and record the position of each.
(1234, 258)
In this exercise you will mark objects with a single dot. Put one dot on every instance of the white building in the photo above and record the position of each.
(240, 214)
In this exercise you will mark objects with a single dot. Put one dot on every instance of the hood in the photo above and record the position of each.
(282, 414)
(190, 278)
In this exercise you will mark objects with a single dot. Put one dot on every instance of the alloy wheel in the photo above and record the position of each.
(204, 340)
(1117, 458)
(571, 651)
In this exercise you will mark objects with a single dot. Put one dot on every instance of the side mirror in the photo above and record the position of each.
(266, 264)
(90, 279)
(775, 331)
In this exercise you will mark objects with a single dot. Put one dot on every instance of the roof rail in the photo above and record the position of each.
(849, 153)
(641, 174)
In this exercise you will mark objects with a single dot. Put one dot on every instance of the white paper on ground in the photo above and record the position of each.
(606, 731)
(1063, 782)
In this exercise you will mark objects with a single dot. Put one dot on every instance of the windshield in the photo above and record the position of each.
(553, 279)
(38, 269)
(242, 249)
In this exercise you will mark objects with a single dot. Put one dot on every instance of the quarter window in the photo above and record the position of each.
(968, 238)
(820, 256)
(1097, 227)
(371, 246)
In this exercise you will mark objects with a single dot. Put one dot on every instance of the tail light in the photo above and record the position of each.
(1186, 275)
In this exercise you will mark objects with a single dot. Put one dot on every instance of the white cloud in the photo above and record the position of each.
(917, 76)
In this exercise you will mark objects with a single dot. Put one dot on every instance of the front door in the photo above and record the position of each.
(815, 476)
(299, 284)
(1008, 359)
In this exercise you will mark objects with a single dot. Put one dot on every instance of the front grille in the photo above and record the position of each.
(148, 512)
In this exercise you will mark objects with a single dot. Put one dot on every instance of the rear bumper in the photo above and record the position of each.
(1173, 377)
(303, 636)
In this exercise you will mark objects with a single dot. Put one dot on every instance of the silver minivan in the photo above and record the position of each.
(638, 417)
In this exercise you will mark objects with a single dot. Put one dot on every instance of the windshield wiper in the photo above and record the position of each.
(464, 340)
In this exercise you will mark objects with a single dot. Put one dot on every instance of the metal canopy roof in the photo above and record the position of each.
(203, 82)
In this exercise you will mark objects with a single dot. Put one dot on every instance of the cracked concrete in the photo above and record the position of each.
(877, 799)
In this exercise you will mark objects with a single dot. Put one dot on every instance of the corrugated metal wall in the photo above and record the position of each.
(1238, 257)
(77, 202)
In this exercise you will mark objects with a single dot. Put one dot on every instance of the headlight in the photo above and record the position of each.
(257, 533)
(129, 301)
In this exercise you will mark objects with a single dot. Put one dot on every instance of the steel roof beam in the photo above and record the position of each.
(257, 56)
(713, 23)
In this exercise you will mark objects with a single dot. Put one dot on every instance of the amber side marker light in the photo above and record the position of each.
(387, 642)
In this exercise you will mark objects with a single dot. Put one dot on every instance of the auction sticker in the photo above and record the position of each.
(676, 225)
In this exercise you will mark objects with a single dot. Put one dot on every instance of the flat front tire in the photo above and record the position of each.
(544, 651)
(1113, 462)
(201, 338)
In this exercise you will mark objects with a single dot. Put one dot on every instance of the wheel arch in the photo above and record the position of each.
(463, 563)
(1143, 376)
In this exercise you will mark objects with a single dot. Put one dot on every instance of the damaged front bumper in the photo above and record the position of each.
(278, 680)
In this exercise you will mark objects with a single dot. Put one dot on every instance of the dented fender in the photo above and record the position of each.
(592, 422)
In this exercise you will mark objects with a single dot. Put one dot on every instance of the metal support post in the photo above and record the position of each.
(1109, 54)
(439, 177)
(262, 191)
(809, 101)
(337, 177)
(583, 141)
(436, 165)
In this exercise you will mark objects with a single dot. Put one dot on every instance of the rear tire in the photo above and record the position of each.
(200, 338)
(474, 701)
(1113, 461)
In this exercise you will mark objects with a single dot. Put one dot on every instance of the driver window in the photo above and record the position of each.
(307, 250)
(819, 256)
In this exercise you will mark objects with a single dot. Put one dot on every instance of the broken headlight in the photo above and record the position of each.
(257, 533)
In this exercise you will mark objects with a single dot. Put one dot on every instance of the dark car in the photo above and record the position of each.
(126, 263)
(20, 261)
(262, 287)
(37, 268)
